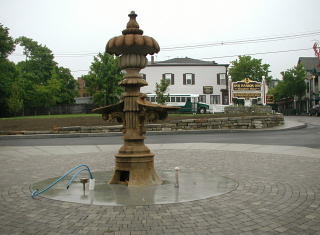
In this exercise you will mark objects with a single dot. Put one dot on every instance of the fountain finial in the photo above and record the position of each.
(132, 41)
(132, 25)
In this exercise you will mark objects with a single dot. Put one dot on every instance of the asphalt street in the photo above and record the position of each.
(305, 137)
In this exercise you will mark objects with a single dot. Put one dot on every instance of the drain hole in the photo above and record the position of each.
(124, 176)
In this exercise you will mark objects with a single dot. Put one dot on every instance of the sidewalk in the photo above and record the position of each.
(277, 193)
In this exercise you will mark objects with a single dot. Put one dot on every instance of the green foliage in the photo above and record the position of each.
(68, 86)
(15, 103)
(39, 60)
(6, 43)
(247, 67)
(103, 78)
(44, 83)
(36, 82)
(161, 89)
(292, 83)
(8, 75)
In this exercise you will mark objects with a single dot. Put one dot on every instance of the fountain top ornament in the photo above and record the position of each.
(132, 41)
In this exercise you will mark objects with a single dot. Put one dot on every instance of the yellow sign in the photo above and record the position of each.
(270, 99)
(246, 95)
(246, 85)
(207, 89)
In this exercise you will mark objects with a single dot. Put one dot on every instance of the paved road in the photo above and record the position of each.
(306, 137)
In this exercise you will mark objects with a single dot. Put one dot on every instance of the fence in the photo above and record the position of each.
(60, 109)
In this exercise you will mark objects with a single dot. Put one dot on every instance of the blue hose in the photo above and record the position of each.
(36, 193)
(75, 175)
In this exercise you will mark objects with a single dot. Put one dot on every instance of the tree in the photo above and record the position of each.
(8, 75)
(294, 81)
(292, 85)
(37, 82)
(15, 103)
(8, 70)
(39, 60)
(68, 85)
(247, 67)
(44, 83)
(160, 91)
(6, 43)
(103, 78)
(279, 91)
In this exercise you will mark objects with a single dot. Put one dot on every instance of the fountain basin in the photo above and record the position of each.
(192, 186)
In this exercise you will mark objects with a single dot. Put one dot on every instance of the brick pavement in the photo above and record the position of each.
(276, 193)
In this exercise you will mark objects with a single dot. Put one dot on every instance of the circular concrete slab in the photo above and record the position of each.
(192, 186)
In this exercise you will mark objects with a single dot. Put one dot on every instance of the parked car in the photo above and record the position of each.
(315, 110)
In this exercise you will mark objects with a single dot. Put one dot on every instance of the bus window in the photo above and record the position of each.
(168, 99)
(153, 99)
(183, 99)
(173, 99)
(177, 99)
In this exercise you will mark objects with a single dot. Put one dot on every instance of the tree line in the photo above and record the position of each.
(39, 82)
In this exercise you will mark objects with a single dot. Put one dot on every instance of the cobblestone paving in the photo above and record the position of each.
(276, 194)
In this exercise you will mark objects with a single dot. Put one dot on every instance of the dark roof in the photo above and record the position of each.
(185, 61)
(308, 62)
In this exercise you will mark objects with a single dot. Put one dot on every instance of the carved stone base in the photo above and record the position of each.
(135, 167)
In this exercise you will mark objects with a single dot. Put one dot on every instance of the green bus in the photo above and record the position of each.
(188, 103)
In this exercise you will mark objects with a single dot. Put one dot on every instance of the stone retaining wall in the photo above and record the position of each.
(247, 109)
(224, 123)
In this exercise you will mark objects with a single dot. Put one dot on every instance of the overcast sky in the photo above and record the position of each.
(76, 30)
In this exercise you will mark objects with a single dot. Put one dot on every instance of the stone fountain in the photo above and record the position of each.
(134, 163)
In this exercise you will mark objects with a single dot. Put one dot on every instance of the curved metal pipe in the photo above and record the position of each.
(36, 192)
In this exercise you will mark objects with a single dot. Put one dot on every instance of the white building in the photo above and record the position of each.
(190, 76)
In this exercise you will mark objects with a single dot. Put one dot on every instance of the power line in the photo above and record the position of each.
(243, 41)
(67, 55)
(203, 45)
(228, 56)
(257, 53)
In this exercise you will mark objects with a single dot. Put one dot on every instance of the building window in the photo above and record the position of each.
(221, 79)
(202, 98)
(225, 97)
(188, 79)
(214, 99)
(169, 77)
